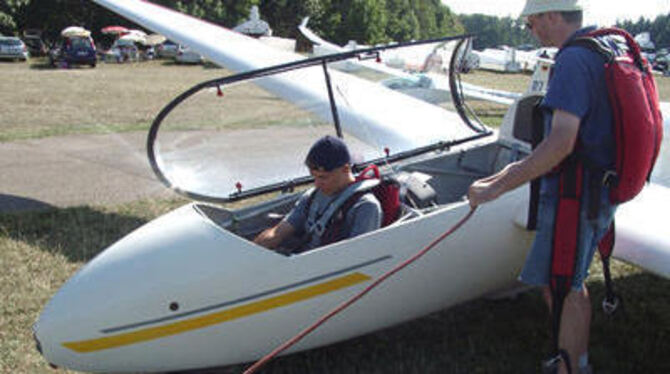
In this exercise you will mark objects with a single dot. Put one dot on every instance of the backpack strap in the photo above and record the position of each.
(633, 47)
(594, 41)
(612, 301)
(564, 246)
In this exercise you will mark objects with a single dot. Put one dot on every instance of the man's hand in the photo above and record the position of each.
(271, 238)
(480, 192)
(485, 189)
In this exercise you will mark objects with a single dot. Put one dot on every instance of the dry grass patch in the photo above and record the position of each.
(38, 101)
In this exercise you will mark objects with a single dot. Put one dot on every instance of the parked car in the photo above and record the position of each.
(167, 50)
(123, 51)
(12, 48)
(662, 63)
(35, 45)
(186, 55)
(147, 53)
(76, 50)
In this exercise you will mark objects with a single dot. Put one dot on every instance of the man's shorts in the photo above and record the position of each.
(537, 269)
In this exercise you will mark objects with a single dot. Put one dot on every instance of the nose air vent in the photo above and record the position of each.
(174, 306)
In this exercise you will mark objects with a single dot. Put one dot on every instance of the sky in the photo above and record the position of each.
(600, 12)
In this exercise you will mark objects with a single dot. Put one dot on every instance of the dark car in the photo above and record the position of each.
(35, 45)
(76, 50)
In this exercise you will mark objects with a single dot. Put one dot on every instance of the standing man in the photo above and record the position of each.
(357, 212)
(577, 121)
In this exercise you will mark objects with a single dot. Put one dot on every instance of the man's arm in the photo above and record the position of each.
(271, 238)
(549, 153)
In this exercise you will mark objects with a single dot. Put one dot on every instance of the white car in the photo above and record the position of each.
(186, 55)
(167, 50)
(12, 48)
(122, 51)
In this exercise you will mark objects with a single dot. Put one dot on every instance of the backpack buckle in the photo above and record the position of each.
(610, 305)
(319, 229)
(550, 366)
(610, 178)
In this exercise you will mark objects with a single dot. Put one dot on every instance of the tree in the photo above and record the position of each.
(366, 21)
(402, 24)
(659, 29)
(7, 24)
(493, 31)
(210, 10)
(12, 13)
(285, 15)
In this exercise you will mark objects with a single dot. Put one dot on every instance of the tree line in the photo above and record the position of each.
(495, 31)
(365, 21)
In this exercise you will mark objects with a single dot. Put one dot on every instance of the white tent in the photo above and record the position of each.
(75, 31)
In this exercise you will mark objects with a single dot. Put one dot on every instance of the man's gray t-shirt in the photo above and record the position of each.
(363, 216)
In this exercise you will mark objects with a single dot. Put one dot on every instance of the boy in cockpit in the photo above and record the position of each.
(335, 209)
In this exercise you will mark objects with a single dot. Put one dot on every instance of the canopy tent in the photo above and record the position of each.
(154, 39)
(75, 31)
(133, 37)
(114, 30)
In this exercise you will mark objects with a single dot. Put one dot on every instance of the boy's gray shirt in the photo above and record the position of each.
(364, 215)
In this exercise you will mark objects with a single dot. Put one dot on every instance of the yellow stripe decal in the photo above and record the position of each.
(151, 333)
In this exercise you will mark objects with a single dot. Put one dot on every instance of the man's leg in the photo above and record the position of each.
(575, 325)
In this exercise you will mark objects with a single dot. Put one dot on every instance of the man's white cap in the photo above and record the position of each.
(543, 6)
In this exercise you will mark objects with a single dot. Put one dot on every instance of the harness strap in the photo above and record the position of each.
(612, 301)
(537, 134)
(564, 246)
(316, 225)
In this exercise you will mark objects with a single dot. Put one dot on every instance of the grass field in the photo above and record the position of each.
(39, 250)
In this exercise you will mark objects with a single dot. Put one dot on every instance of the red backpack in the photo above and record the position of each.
(638, 126)
(387, 192)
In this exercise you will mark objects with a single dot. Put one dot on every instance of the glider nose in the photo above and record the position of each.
(120, 300)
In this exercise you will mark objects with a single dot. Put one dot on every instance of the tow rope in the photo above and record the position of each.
(287, 344)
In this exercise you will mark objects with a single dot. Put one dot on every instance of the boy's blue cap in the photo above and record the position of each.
(328, 153)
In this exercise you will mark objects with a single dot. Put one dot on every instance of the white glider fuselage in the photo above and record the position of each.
(182, 293)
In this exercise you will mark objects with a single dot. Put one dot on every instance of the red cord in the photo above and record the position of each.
(260, 363)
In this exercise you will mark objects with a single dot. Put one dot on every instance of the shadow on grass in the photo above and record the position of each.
(42, 65)
(205, 65)
(79, 233)
(14, 203)
(46, 66)
(501, 336)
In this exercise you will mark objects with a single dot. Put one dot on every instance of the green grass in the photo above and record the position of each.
(40, 250)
